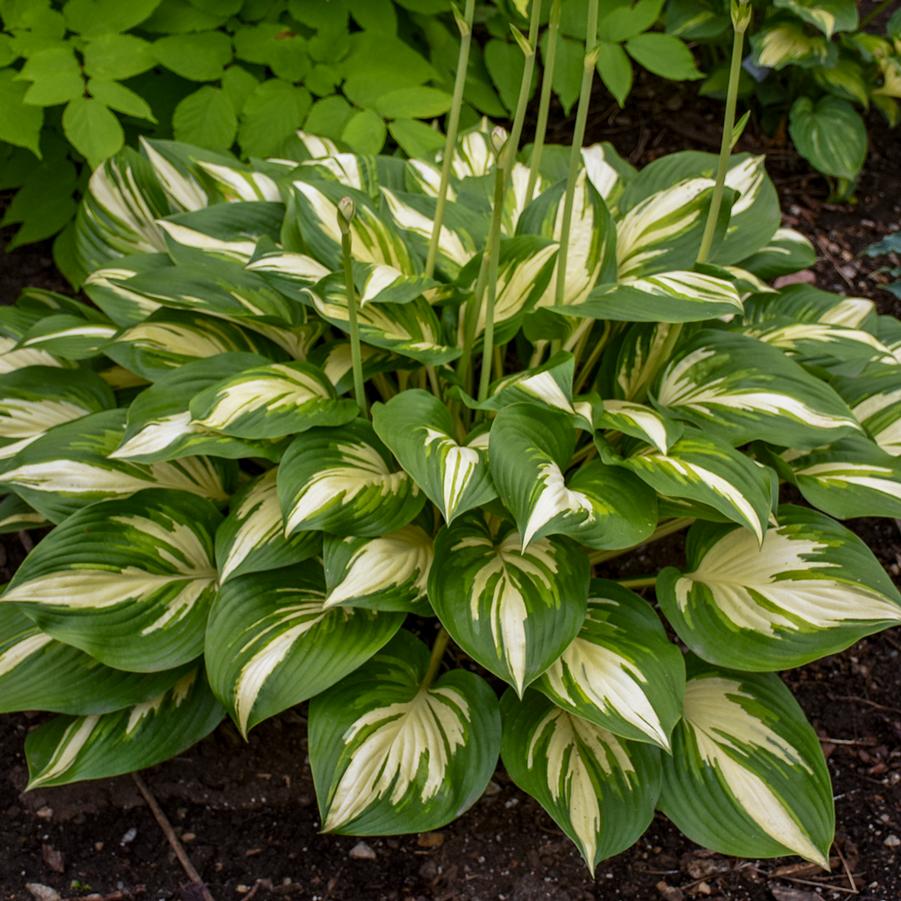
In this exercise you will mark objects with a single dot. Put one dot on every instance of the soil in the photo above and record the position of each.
(247, 816)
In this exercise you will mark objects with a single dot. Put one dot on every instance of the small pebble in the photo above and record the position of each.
(44, 813)
(892, 841)
(188, 836)
(362, 851)
(430, 840)
(129, 836)
(492, 788)
(98, 846)
(42, 892)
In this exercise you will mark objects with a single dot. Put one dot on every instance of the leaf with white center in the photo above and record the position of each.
(390, 756)
(118, 215)
(598, 788)
(271, 401)
(343, 481)
(624, 369)
(524, 269)
(272, 642)
(35, 399)
(680, 296)
(639, 421)
(607, 171)
(67, 336)
(17, 516)
(38, 672)
(807, 304)
(706, 470)
(388, 572)
(511, 610)
(620, 672)
(473, 156)
(875, 401)
(336, 361)
(167, 339)
(72, 749)
(129, 582)
(787, 251)
(741, 389)
(420, 432)
(218, 288)
(747, 776)
(252, 537)
(411, 329)
(70, 467)
(313, 211)
(601, 506)
(288, 272)
(237, 182)
(811, 589)
(784, 41)
(851, 478)
(106, 287)
(175, 168)
(462, 228)
(662, 233)
(228, 231)
(160, 425)
(591, 256)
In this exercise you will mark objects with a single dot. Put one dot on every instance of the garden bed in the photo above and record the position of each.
(247, 816)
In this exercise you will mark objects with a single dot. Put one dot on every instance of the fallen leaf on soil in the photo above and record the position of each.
(42, 892)
(430, 840)
(669, 892)
(53, 858)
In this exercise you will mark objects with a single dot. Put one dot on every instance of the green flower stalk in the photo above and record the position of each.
(544, 103)
(345, 217)
(529, 49)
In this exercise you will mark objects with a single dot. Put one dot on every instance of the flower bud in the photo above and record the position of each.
(741, 14)
(346, 210)
(498, 139)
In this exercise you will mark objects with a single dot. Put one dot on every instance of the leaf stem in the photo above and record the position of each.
(529, 50)
(643, 582)
(438, 649)
(544, 103)
(593, 357)
(353, 325)
(500, 178)
(453, 126)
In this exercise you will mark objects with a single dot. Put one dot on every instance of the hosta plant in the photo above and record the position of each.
(325, 419)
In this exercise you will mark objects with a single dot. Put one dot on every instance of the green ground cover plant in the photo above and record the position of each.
(330, 412)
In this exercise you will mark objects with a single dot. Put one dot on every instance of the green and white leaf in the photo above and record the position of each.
(620, 672)
(787, 251)
(106, 287)
(391, 756)
(419, 431)
(600, 789)
(511, 610)
(129, 582)
(747, 776)
(875, 401)
(67, 336)
(272, 642)
(639, 421)
(343, 481)
(811, 588)
(72, 749)
(17, 516)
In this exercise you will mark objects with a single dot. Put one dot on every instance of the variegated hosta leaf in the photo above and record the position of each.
(175, 167)
(601, 506)
(608, 172)
(473, 156)
(389, 572)
(391, 756)
(271, 642)
(600, 789)
(807, 304)
(71, 467)
(69, 337)
(787, 251)
(850, 478)
(227, 231)
(252, 537)
(106, 287)
(343, 481)
(168, 339)
(747, 776)
(118, 214)
(620, 672)
(708, 471)
(741, 389)
(875, 401)
(35, 399)
(314, 206)
(218, 288)
(524, 269)
(681, 296)
(639, 421)
(336, 361)
(271, 401)
(662, 233)
(38, 672)
(129, 582)
(811, 589)
(351, 170)
(511, 610)
(288, 272)
(411, 329)
(419, 431)
(784, 41)
(624, 368)
(72, 749)
(235, 181)
(160, 425)
(591, 256)
(17, 516)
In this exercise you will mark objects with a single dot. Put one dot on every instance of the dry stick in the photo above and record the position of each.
(172, 838)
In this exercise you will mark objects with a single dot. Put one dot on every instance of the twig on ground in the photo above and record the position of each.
(172, 838)
(845, 867)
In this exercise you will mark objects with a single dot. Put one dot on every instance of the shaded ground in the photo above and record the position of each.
(247, 815)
